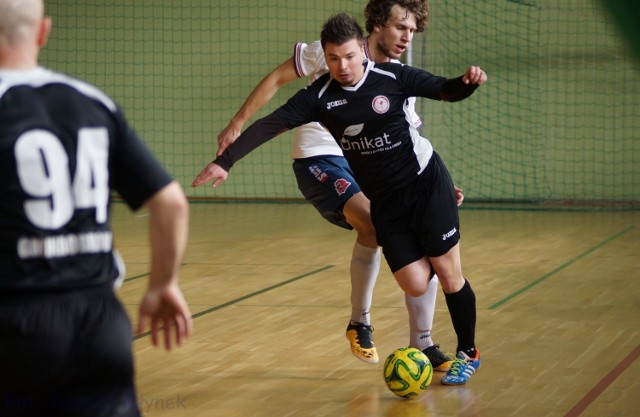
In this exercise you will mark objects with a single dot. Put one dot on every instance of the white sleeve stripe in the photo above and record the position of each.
(387, 73)
(296, 60)
(41, 77)
(324, 88)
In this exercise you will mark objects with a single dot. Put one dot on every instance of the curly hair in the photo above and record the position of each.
(377, 12)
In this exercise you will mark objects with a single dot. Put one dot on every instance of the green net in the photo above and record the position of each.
(558, 120)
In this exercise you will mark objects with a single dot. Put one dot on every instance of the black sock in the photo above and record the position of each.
(470, 352)
(462, 308)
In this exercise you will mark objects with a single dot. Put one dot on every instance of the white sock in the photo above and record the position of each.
(365, 265)
(421, 311)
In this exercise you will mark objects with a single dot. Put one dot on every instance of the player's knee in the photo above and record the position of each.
(367, 237)
(451, 283)
(416, 289)
(413, 286)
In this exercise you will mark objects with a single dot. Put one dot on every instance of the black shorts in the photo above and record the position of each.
(326, 181)
(419, 219)
(66, 354)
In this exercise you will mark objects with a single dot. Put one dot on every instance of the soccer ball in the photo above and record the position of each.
(407, 372)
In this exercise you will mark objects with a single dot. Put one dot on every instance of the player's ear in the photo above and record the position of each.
(43, 31)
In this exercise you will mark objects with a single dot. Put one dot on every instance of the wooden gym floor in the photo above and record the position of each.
(558, 303)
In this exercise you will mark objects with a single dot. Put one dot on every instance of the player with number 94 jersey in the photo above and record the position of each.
(58, 166)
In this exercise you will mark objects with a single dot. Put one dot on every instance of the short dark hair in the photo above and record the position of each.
(377, 12)
(340, 29)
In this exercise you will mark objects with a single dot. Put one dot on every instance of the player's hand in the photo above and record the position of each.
(167, 311)
(228, 136)
(211, 172)
(459, 195)
(474, 75)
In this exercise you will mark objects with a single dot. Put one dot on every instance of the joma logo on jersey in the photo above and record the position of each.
(336, 103)
(449, 233)
(341, 185)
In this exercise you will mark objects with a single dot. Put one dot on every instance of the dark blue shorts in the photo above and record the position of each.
(66, 354)
(419, 219)
(327, 182)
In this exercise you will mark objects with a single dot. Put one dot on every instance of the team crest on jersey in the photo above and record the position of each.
(380, 104)
(341, 186)
(318, 173)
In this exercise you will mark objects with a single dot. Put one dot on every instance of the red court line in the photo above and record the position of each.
(603, 384)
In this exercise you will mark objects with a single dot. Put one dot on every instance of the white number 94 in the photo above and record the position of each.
(44, 173)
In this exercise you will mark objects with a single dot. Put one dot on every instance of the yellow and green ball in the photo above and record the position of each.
(407, 372)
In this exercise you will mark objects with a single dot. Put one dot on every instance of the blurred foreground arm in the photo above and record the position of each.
(163, 305)
(459, 195)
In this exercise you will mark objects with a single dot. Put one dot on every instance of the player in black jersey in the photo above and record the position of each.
(413, 205)
(325, 180)
(65, 339)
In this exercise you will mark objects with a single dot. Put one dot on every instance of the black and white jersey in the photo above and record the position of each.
(311, 140)
(64, 145)
(370, 121)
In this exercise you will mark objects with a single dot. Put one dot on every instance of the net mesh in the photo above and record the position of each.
(559, 118)
(557, 122)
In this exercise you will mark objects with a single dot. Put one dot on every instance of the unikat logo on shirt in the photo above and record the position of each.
(366, 146)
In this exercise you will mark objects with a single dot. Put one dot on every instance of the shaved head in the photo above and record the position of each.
(19, 20)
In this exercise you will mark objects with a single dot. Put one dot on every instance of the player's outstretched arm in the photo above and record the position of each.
(462, 87)
(261, 131)
(474, 75)
(212, 172)
(163, 305)
(260, 96)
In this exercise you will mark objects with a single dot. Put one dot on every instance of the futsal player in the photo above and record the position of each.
(65, 339)
(325, 179)
(413, 204)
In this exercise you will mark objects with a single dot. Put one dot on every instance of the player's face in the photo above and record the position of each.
(394, 37)
(345, 61)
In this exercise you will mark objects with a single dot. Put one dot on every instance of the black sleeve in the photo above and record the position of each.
(421, 83)
(455, 90)
(297, 111)
(261, 131)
